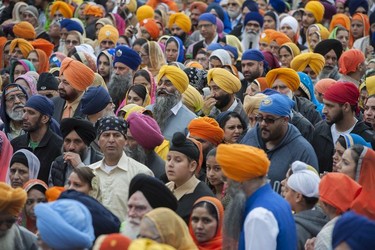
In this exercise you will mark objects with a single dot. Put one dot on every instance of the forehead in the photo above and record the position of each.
(279, 82)
(138, 198)
(16, 92)
(120, 65)
(203, 22)
(72, 135)
(111, 132)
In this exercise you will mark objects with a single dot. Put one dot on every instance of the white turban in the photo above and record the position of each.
(304, 180)
(291, 22)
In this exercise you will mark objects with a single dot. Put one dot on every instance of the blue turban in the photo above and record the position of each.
(70, 25)
(251, 5)
(103, 220)
(253, 16)
(214, 46)
(94, 100)
(181, 50)
(308, 86)
(65, 224)
(278, 5)
(253, 54)
(356, 230)
(277, 104)
(127, 56)
(232, 50)
(355, 4)
(41, 104)
(352, 139)
(208, 17)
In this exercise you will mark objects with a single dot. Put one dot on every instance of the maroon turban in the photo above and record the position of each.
(342, 92)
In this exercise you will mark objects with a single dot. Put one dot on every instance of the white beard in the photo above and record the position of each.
(130, 230)
(248, 38)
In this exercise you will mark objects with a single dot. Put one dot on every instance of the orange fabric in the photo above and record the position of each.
(65, 9)
(144, 12)
(289, 77)
(171, 4)
(266, 35)
(217, 241)
(151, 27)
(12, 200)
(181, 20)
(200, 160)
(261, 82)
(349, 61)
(53, 193)
(43, 61)
(322, 85)
(206, 128)
(364, 204)
(44, 45)
(339, 19)
(77, 74)
(22, 44)
(366, 170)
(280, 38)
(6, 153)
(93, 10)
(194, 64)
(3, 41)
(115, 241)
(366, 26)
(24, 30)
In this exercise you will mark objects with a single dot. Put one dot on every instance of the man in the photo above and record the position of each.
(258, 216)
(235, 12)
(278, 138)
(31, 15)
(96, 103)
(180, 25)
(74, 77)
(19, 49)
(313, 13)
(107, 37)
(13, 100)
(149, 29)
(223, 88)
(77, 134)
(196, 9)
(207, 28)
(93, 13)
(331, 49)
(352, 66)
(125, 63)
(116, 169)
(253, 24)
(309, 63)
(145, 193)
(13, 236)
(47, 85)
(142, 148)
(169, 112)
(39, 138)
(340, 105)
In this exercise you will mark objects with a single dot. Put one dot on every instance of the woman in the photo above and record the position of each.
(184, 161)
(271, 20)
(287, 52)
(174, 50)
(165, 226)
(306, 89)
(39, 59)
(24, 166)
(74, 38)
(145, 78)
(206, 223)
(359, 31)
(369, 113)
(6, 152)
(152, 57)
(233, 125)
(104, 64)
(35, 190)
(314, 34)
(219, 58)
(19, 67)
(28, 83)
(342, 35)
(84, 180)
(137, 94)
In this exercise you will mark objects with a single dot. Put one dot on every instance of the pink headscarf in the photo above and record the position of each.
(6, 153)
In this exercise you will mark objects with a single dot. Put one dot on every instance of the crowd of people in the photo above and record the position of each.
(210, 124)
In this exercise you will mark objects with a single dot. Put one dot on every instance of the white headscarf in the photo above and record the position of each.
(291, 22)
(223, 56)
(32, 162)
(304, 180)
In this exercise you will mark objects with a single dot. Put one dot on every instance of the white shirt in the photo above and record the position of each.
(336, 134)
(176, 108)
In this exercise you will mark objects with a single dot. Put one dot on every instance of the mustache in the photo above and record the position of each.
(163, 91)
(18, 106)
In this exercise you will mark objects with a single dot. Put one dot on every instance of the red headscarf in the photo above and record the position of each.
(342, 92)
(217, 241)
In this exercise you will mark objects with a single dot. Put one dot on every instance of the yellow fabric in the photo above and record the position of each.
(293, 47)
(147, 244)
(63, 7)
(132, 6)
(108, 32)
(24, 30)
(23, 45)
(192, 98)
(206, 128)
(241, 162)
(227, 82)
(235, 42)
(252, 103)
(175, 232)
(144, 12)
(176, 75)
(78, 75)
(181, 20)
(104, 21)
(12, 200)
(315, 60)
(163, 149)
(370, 85)
(99, 81)
(138, 109)
(288, 76)
(317, 9)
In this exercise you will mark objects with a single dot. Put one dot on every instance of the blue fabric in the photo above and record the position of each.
(277, 104)
(214, 46)
(41, 104)
(208, 17)
(251, 5)
(94, 100)
(352, 139)
(181, 49)
(355, 4)
(278, 5)
(233, 50)
(127, 56)
(222, 15)
(253, 54)
(266, 198)
(253, 16)
(306, 81)
(70, 25)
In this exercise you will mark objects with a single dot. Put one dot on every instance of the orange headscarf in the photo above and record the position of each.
(24, 30)
(3, 41)
(217, 241)
(322, 85)
(44, 45)
(53, 193)
(339, 19)
(366, 172)
(366, 26)
(43, 61)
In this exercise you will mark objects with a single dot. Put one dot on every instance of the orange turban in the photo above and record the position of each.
(12, 200)
(261, 82)
(349, 61)
(43, 61)
(265, 37)
(198, 5)
(280, 38)
(241, 162)
(65, 9)
(24, 30)
(206, 128)
(144, 12)
(227, 82)
(53, 193)
(170, 3)
(108, 32)
(339, 19)
(3, 41)
(44, 45)
(289, 77)
(23, 45)
(194, 64)
(315, 60)
(181, 20)
(93, 10)
(338, 190)
(151, 27)
(77, 74)
(316, 8)
(176, 75)
(322, 85)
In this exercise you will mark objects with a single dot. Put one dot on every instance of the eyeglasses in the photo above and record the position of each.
(232, 4)
(71, 42)
(12, 98)
(206, 26)
(260, 118)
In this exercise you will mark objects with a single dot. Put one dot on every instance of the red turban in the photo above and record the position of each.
(350, 60)
(198, 5)
(151, 27)
(342, 92)
(206, 128)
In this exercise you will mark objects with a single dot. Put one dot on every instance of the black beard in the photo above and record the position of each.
(118, 86)
(182, 37)
(222, 101)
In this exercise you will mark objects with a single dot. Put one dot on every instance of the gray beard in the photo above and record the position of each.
(130, 230)
(8, 241)
(163, 106)
(233, 14)
(118, 86)
(248, 38)
(137, 154)
(15, 115)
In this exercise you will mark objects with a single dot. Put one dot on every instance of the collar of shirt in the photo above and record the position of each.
(176, 108)
(74, 104)
(235, 22)
(213, 41)
(187, 188)
(123, 163)
(233, 106)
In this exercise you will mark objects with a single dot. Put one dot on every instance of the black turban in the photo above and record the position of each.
(325, 46)
(83, 128)
(156, 193)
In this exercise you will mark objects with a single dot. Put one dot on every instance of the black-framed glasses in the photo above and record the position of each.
(267, 120)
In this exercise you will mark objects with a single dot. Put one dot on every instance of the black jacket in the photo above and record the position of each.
(303, 125)
(59, 104)
(307, 109)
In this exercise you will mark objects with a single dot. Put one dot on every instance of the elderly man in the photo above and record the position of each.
(223, 86)
(262, 217)
(39, 138)
(309, 63)
(141, 147)
(77, 134)
(75, 77)
(278, 138)
(252, 24)
(180, 25)
(116, 169)
(13, 100)
(352, 66)
(13, 236)
(331, 49)
(145, 193)
(168, 110)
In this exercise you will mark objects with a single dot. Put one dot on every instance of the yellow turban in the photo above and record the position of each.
(12, 200)
(108, 32)
(176, 75)
(314, 60)
(370, 85)
(241, 162)
(147, 244)
(181, 20)
(289, 77)
(252, 103)
(23, 45)
(144, 12)
(78, 75)
(63, 7)
(24, 30)
(206, 128)
(192, 98)
(131, 6)
(224, 79)
(316, 8)
(293, 48)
